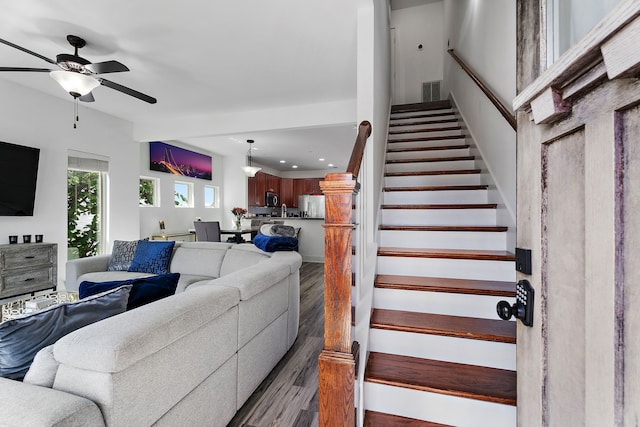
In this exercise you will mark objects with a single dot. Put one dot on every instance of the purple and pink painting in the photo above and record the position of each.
(168, 158)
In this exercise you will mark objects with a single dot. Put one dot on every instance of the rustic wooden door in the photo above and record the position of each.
(578, 211)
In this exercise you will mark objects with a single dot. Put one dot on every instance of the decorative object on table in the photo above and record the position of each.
(168, 158)
(161, 225)
(39, 238)
(250, 170)
(26, 238)
(239, 213)
(29, 305)
(13, 240)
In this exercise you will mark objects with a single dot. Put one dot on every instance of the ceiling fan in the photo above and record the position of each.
(77, 75)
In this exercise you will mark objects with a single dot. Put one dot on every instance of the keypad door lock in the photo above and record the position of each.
(523, 307)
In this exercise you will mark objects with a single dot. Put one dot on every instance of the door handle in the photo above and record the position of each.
(523, 307)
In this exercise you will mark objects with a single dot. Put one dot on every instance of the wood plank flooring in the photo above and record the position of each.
(288, 397)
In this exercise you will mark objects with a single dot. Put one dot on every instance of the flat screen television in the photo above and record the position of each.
(18, 176)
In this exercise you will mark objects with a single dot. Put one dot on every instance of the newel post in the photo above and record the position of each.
(336, 364)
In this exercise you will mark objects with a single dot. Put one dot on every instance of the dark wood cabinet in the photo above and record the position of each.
(286, 192)
(287, 189)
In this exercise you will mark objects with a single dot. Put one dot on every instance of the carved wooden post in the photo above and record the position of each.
(336, 364)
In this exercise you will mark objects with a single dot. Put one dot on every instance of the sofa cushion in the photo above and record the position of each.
(122, 255)
(198, 258)
(241, 256)
(21, 338)
(186, 280)
(152, 257)
(43, 369)
(144, 289)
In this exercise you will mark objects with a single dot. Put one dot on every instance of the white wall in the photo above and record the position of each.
(178, 219)
(31, 118)
(414, 26)
(483, 34)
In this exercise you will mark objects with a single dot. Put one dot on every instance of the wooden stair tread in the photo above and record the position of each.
(444, 206)
(424, 122)
(421, 106)
(427, 138)
(424, 130)
(419, 115)
(441, 284)
(444, 325)
(453, 379)
(437, 188)
(487, 255)
(431, 159)
(438, 148)
(379, 419)
(478, 228)
(441, 172)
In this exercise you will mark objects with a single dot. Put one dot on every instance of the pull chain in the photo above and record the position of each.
(75, 111)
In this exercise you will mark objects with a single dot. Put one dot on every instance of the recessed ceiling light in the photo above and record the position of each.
(294, 166)
(321, 159)
(330, 165)
(283, 161)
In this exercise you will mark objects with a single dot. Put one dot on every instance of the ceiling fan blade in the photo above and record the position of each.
(35, 70)
(87, 98)
(107, 67)
(128, 91)
(30, 52)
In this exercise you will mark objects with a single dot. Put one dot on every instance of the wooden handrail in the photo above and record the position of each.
(510, 118)
(336, 363)
(364, 131)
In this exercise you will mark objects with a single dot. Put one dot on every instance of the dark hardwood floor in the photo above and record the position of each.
(288, 397)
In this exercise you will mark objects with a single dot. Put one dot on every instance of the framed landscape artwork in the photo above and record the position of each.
(168, 158)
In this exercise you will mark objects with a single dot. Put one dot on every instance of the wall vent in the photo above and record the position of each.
(431, 91)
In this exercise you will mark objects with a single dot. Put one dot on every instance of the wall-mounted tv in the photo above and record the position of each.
(18, 176)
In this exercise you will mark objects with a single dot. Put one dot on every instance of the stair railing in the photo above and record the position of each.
(337, 361)
(504, 111)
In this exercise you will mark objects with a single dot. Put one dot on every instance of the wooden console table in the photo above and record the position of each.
(28, 267)
(180, 236)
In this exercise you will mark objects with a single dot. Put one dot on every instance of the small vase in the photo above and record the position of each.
(238, 224)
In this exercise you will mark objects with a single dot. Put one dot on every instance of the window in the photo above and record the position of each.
(183, 192)
(211, 198)
(570, 20)
(86, 206)
(149, 191)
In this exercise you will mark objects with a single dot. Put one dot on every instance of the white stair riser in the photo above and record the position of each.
(449, 349)
(430, 166)
(418, 180)
(408, 114)
(430, 197)
(439, 408)
(482, 306)
(407, 155)
(423, 125)
(481, 240)
(439, 216)
(428, 134)
(448, 268)
(426, 143)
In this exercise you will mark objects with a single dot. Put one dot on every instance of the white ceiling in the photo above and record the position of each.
(201, 57)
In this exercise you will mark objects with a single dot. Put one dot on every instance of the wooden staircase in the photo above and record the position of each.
(439, 355)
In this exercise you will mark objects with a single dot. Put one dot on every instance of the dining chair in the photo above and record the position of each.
(207, 231)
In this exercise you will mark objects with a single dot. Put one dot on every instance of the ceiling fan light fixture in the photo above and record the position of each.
(75, 84)
(250, 170)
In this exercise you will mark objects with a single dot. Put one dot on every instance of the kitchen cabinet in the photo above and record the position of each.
(312, 186)
(298, 189)
(272, 183)
(286, 192)
(256, 188)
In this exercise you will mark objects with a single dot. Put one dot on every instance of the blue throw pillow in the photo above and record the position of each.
(144, 291)
(122, 254)
(21, 338)
(152, 257)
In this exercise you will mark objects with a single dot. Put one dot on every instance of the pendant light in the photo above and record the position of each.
(250, 170)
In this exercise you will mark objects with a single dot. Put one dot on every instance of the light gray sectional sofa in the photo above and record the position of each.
(191, 359)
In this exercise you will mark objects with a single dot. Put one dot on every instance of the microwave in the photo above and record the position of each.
(271, 199)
